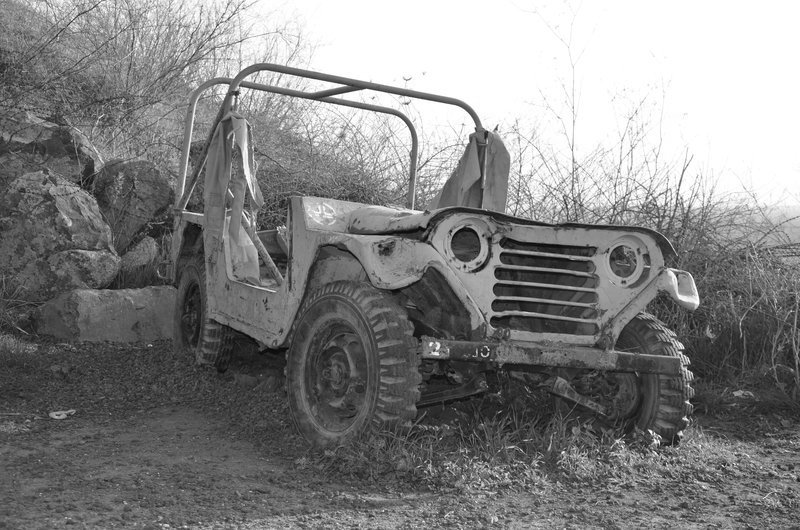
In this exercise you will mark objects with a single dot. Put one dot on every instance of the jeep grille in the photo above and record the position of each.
(545, 288)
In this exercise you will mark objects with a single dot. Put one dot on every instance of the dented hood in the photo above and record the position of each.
(384, 220)
(380, 220)
(355, 218)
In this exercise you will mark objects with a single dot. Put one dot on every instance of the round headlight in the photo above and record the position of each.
(626, 260)
(623, 261)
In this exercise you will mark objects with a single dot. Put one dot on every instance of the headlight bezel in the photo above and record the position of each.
(466, 243)
(626, 261)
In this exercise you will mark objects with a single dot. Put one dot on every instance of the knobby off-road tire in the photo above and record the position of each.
(664, 406)
(210, 342)
(655, 402)
(352, 364)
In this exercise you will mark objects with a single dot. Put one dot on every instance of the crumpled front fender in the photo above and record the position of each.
(393, 263)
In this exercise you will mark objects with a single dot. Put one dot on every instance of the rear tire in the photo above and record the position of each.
(352, 364)
(210, 342)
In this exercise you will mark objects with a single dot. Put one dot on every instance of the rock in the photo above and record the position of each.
(29, 144)
(54, 238)
(245, 380)
(131, 195)
(142, 254)
(125, 315)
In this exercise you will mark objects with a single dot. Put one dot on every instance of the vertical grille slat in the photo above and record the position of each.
(545, 288)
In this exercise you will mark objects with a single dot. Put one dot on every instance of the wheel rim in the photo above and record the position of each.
(336, 377)
(191, 314)
(617, 392)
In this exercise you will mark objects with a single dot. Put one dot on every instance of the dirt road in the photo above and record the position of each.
(157, 443)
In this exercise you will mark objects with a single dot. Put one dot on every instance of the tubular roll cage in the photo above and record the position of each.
(346, 85)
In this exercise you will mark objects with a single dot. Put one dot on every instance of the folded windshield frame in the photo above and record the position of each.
(345, 86)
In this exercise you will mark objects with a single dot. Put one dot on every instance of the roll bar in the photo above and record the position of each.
(346, 85)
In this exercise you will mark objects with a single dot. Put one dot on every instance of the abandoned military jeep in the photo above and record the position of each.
(385, 309)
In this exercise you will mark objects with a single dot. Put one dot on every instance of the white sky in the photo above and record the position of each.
(727, 72)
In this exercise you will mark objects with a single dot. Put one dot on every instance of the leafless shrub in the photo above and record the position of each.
(120, 70)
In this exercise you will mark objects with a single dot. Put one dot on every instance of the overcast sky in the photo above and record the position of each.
(726, 73)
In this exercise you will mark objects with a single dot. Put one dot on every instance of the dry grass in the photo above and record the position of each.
(517, 451)
(494, 444)
(14, 307)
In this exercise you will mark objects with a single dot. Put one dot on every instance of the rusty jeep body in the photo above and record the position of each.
(382, 309)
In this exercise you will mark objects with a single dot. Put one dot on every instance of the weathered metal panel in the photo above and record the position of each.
(544, 354)
(572, 284)
(517, 273)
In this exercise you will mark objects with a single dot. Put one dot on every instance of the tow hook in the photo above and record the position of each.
(560, 387)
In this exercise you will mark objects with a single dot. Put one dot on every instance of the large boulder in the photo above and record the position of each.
(29, 144)
(54, 238)
(131, 194)
(124, 315)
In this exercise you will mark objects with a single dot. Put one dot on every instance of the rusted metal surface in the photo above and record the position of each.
(371, 220)
(555, 283)
(397, 261)
(476, 385)
(263, 253)
(356, 84)
(561, 356)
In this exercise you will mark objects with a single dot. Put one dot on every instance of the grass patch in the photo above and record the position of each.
(526, 452)
(495, 445)
(13, 347)
(492, 445)
(14, 307)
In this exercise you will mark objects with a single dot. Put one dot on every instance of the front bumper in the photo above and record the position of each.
(549, 355)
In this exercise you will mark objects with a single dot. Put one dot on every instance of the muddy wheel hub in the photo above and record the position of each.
(337, 377)
(616, 392)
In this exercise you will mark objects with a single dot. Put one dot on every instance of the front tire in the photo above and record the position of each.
(655, 402)
(210, 342)
(352, 364)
